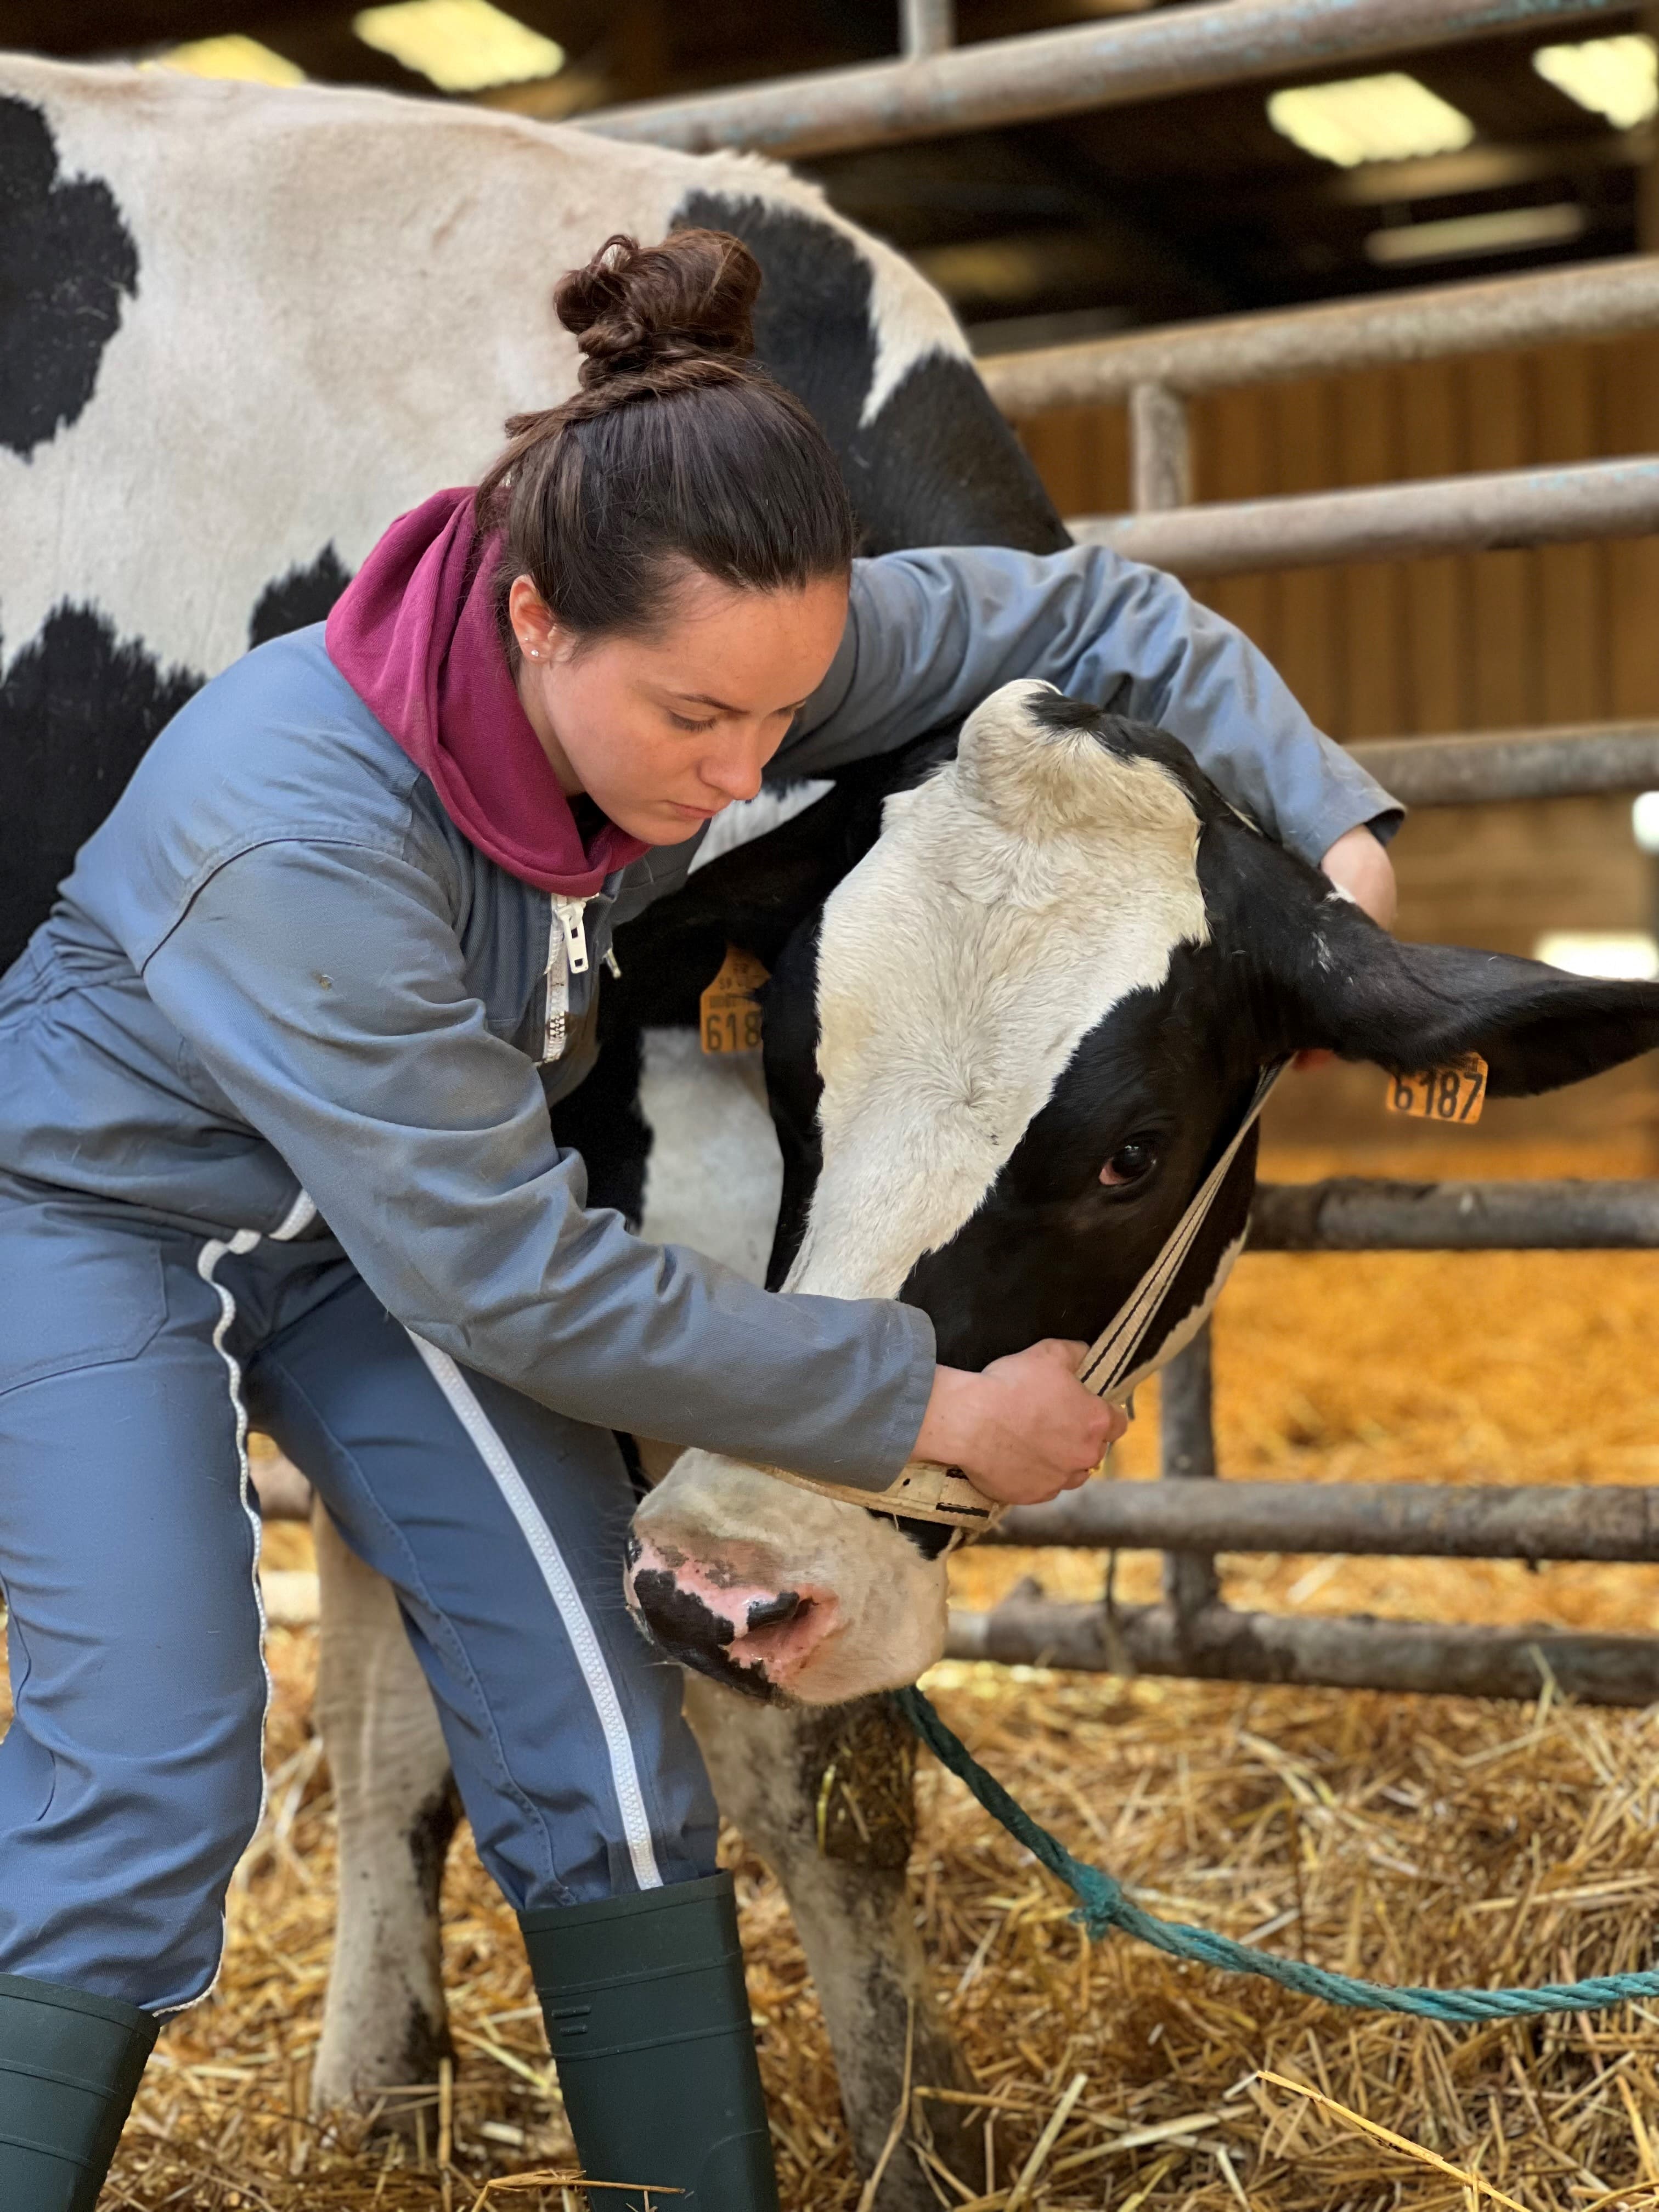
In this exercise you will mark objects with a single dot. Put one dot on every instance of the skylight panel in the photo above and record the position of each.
(1618, 78)
(1390, 117)
(243, 59)
(461, 46)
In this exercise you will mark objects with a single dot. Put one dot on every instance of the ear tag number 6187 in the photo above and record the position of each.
(1454, 1093)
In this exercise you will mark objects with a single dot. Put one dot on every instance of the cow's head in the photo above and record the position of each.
(1000, 1063)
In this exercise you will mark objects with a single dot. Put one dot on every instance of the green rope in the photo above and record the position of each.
(1102, 1906)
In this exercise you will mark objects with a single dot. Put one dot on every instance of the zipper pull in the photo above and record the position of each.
(567, 913)
(612, 962)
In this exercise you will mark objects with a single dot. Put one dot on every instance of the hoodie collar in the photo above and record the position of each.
(414, 635)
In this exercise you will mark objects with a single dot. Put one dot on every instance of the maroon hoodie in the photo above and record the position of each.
(414, 634)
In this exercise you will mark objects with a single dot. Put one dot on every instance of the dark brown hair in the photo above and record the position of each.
(677, 451)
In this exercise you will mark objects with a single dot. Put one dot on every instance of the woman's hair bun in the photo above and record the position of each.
(637, 308)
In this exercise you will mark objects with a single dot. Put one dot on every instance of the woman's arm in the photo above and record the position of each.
(931, 634)
(322, 987)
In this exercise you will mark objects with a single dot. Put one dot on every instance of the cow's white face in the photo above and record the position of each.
(1011, 904)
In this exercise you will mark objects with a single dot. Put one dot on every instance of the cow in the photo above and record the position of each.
(243, 329)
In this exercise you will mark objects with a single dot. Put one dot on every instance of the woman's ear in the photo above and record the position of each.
(532, 619)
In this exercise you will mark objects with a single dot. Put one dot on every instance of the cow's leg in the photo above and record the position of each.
(385, 2021)
(825, 1798)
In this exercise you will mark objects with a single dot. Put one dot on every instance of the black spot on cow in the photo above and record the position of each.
(939, 466)
(302, 597)
(691, 1632)
(78, 707)
(602, 1119)
(65, 259)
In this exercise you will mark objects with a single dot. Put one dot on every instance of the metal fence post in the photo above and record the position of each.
(927, 26)
(1187, 1434)
(1160, 449)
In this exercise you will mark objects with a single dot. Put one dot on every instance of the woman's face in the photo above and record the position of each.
(662, 732)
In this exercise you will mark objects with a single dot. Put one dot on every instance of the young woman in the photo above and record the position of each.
(274, 1143)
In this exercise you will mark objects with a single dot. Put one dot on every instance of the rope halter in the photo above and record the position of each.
(924, 1491)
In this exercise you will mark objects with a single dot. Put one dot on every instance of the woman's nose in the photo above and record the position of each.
(736, 774)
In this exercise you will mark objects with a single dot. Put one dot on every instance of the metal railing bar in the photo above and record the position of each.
(1395, 1520)
(1593, 300)
(1358, 1213)
(1571, 762)
(1389, 522)
(1094, 65)
(1220, 1644)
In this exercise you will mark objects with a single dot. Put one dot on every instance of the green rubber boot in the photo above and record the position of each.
(69, 2065)
(648, 2018)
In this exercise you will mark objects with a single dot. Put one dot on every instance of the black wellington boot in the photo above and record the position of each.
(648, 2018)
(69, 2065)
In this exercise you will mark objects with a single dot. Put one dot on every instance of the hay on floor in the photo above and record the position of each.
(1411, 1840)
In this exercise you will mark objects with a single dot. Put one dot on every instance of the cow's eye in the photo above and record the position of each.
(1130, 1162)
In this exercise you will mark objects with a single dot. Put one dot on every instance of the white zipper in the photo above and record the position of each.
(567, 956)
(567, 917)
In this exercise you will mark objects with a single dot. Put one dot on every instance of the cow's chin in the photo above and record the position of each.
(778, 1592)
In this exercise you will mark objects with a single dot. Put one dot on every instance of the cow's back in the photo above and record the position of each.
(249, 326)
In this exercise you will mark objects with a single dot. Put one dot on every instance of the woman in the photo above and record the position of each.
(274, 1143)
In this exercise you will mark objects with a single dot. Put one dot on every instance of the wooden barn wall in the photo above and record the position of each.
(1490, 641)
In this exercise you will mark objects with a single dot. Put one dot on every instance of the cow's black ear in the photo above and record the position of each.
(1343, 983)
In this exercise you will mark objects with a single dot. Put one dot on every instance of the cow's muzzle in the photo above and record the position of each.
(738, 1629)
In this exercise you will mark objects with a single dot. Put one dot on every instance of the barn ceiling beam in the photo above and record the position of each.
(1028, 79)
(1389, 522)
(1494, 168)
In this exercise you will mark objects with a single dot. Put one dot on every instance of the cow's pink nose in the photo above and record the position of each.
(737, 1627)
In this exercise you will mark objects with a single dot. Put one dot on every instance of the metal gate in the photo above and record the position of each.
(934, 90)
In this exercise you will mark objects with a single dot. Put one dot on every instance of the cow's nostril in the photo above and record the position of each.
(773, 1611)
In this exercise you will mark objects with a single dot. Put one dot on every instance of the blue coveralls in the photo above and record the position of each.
(275, 1145)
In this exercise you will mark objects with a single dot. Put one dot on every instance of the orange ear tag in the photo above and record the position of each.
(731, 1018)
(1455, 1093)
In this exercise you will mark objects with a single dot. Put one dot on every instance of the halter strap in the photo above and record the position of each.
(1113, 1355)
(924, 1491)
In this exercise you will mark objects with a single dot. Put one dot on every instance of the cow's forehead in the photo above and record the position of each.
(1010, 903)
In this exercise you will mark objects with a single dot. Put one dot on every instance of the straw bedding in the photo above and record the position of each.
(1415, 1840)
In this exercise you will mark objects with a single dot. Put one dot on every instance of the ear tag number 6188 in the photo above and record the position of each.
(1454, 1093)
(730, 1019)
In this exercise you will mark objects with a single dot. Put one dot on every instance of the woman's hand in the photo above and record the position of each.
(1362, 868)
(1024, 1428)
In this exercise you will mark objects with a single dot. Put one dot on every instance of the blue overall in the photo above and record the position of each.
(275, 1145)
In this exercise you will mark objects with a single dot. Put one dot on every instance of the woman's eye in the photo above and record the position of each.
(681, 722)
(1130, 1162)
